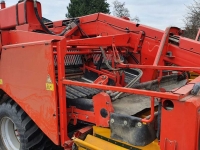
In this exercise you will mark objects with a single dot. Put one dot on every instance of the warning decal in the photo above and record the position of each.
(1, 81)
(49, 87)
(49, 84)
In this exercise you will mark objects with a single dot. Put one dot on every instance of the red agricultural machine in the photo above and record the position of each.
(95, 82)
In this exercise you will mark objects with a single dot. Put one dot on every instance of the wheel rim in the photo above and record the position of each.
(9, 134)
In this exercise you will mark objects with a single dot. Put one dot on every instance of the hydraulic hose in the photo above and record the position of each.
(118, 94)
(43, 25)
(106, 61)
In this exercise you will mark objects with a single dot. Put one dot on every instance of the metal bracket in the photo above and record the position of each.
(139, 42)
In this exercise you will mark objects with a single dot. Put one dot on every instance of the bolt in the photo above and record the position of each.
(125, 122)
(112, 120)
(139, 124)
(103, 77)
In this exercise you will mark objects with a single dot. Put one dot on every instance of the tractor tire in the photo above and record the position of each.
(18, 131)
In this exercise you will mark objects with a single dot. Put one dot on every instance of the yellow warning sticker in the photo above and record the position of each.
(49, 87)
(1, 81)
(49, 84)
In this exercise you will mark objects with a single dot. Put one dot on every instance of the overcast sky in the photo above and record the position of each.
(155, 13)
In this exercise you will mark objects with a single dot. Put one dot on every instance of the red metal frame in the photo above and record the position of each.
(61, 91)
(125, 90)
(23, 51)
(101, 80)
(152, 112)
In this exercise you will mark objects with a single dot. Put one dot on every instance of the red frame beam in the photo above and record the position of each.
(152, 112)
(62, 91)
(126, 90)
(174, 68)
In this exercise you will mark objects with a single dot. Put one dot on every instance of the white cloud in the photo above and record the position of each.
(155, 13)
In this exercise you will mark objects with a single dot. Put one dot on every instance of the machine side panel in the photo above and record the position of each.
(179, 125)
(11, 22)
(17, 37)
(28, 76)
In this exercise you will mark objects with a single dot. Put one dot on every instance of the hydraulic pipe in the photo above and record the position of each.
(152, 112)
(125, 90)
(175, 68)
(161, 47)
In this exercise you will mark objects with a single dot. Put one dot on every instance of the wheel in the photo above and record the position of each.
(18, 131)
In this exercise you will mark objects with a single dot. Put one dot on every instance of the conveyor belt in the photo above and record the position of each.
(75, 92)
(128, 104)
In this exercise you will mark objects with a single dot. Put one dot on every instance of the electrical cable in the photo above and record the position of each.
(81, 30)
(106, 61)
(43, 25)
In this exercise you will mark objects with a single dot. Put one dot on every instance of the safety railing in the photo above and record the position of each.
(62, 82)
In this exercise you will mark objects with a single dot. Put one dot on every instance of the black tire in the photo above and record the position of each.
(30, 136)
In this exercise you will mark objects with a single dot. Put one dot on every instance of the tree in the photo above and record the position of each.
(192, 20)
(136, 19)
(78, 8)
(119, 10)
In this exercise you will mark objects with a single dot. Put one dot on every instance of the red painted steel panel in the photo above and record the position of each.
(16, 37)
(24, 70)
(179, 127)
(184, 90)
(120, 23)
(9, 22)
(189, 45)
(8, 15)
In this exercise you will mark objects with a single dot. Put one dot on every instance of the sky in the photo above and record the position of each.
(155, 13)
